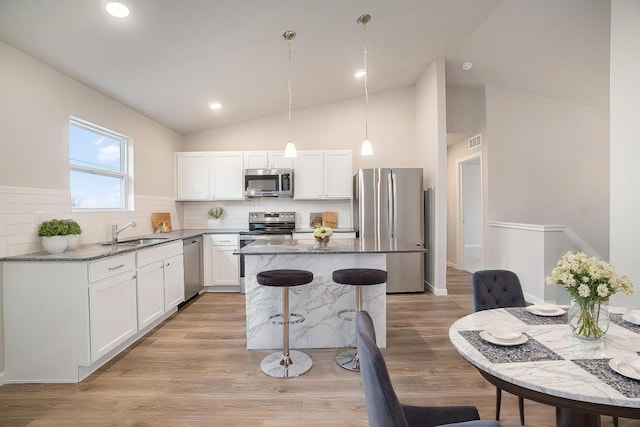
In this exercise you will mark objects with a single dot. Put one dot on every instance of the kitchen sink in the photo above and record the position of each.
(137, 242)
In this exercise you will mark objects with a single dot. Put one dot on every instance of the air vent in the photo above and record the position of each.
(475, 141)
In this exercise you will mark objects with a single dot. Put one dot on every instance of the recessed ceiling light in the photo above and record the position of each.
(359, 74)
(467, 66)
(215, 105)
(117, 10)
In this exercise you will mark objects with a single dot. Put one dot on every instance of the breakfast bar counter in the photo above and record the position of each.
(319, 301)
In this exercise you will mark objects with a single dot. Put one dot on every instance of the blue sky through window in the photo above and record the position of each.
(94, 157)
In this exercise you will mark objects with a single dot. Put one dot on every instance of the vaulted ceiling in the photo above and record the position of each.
(170, 58)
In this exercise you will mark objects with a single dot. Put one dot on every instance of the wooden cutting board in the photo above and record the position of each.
(330, 219)
(161, 222)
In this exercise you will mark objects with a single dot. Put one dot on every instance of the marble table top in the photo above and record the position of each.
(276, 246)
(552, 361)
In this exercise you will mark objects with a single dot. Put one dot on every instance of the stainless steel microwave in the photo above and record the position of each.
(268, 182)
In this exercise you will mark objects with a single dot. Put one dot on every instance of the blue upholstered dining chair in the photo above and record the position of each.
(383, 407)
(498, 289)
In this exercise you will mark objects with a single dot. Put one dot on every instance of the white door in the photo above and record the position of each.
(471, 213)
(192, 176)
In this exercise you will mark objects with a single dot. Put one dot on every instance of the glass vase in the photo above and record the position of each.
(588, 319)
(322, 242)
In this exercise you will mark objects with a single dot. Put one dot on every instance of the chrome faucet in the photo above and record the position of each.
(115, 230)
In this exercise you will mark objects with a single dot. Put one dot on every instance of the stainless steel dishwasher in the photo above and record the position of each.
(193, 271)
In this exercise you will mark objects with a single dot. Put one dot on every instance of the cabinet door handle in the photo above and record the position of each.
(168, 264)
(116, 267)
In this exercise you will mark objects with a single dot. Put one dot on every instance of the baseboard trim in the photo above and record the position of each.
(436, 291)
(2, 378)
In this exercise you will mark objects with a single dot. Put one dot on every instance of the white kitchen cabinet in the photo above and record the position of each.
(63, 320)
(112, 313)
(173, 281)
(267, 160)
(226, 174)
(150, 294)
(222, 266)
(192, 176)
(215, 175)
(323, 175)
(160, 281)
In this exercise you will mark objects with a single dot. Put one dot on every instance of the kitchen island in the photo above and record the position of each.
(319, 301)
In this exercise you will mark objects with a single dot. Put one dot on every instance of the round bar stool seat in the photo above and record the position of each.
(285, 364)
(357, 277)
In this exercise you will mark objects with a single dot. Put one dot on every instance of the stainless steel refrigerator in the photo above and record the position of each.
(390, 203)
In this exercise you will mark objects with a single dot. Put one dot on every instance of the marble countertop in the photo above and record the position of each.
(552, 361)
(98, 250)
(277, 246)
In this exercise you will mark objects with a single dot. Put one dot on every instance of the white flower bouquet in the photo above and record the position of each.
(590, 281)
(322, 234)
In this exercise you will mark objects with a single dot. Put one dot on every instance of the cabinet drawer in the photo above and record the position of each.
(223, 239)
(110, 267)
(158, 252)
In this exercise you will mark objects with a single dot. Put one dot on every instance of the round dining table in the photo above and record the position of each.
(533, 354)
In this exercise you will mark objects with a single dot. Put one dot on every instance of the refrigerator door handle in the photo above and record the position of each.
(392, 205)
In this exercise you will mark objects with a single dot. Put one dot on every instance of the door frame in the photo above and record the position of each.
(460, 208)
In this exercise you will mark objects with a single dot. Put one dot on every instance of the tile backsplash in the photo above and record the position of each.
(23, 209)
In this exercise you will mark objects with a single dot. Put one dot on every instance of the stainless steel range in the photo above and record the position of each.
(266, 225)
(270, 223)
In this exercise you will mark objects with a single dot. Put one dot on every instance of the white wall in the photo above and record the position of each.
(547, 163)
(431, 152)
(338, 125)
(34, 155)
(625, 147)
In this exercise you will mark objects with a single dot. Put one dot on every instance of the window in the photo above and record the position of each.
(99, 167)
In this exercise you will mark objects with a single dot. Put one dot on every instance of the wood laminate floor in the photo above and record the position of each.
(194, 370)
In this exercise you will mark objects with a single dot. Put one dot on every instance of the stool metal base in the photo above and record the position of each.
(349, 360)
(278, 365)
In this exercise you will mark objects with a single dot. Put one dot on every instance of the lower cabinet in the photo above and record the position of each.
(112, 313)
(63, 320)
(160, 281)
(150, 293)
(222, 266)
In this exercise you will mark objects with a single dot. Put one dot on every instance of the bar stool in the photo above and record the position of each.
(357, 277)
(285, 364)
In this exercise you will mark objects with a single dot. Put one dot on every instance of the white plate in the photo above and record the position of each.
(623, 367)
(533, 309)
(631, 319)
(487, 336)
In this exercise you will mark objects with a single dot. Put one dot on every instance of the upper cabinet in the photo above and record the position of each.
(216, 175)
(267, 160)
(323, 174)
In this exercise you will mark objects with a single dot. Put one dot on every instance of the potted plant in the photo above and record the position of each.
(214, 214)
(73, 232)
(53, 233)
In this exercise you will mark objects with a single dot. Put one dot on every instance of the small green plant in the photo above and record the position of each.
(54, 227)
(216, 212)
(72, 227)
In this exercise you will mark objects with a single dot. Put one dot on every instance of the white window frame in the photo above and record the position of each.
(126, 166)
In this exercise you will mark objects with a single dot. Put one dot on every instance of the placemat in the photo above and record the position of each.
(618, 320)
(530, 351)
(628, 387)
(531, 319)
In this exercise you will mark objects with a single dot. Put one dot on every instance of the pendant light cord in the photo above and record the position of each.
(366, 92)
(290, 91)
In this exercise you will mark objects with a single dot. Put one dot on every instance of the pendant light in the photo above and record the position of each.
(290, 149)
(367, 149)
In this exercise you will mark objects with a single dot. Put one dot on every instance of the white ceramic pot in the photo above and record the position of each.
(54, 244)
(72, 241)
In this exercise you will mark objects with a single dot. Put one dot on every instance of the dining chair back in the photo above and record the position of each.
(384, 409)
(496, 289)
